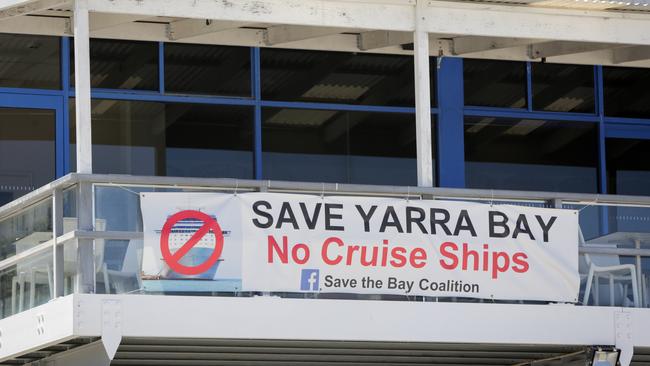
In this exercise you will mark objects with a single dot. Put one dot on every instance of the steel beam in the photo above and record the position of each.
(560, 48)
(380, 39)
(188, 28)
(396, 15)
(461, 19)
(473, 44)
(630, 54)
(31, 7)
(280, 34)
(100, 21)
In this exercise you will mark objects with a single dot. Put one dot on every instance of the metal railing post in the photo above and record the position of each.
(85, 247)
(57, 250)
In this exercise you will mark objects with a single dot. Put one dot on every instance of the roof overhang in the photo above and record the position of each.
(478, 326)
(604, 32)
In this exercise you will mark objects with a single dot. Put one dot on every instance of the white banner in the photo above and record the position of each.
(362, 245)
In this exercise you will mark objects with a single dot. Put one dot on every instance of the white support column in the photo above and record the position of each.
(82, 86)
(422, 98)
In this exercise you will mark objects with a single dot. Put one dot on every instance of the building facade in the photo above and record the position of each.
(538, 104)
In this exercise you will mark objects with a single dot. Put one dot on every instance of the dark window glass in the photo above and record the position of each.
(495, 83)
(530, 154)
(333, 146)
(172, 139)
(626, 92)
(30, 62)
(26, 151)
(628, 166)
(563, 88)
(203, 69)
(121, 64)
(338, 77)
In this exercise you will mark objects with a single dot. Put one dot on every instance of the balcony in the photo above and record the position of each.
(71, 264)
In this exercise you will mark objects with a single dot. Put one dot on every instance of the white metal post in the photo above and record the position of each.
(82, 86)
(57, 250)
(422, 98)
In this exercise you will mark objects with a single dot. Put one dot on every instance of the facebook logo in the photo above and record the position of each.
(309, 280)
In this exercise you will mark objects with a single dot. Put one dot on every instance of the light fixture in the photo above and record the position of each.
(604, 356)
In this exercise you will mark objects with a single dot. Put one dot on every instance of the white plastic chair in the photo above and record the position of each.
(610, 267)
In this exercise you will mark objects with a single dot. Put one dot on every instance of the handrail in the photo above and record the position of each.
(310, 187)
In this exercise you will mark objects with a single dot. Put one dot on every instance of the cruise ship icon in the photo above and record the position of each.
(180, 234)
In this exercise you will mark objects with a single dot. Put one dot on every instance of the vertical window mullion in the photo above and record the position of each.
(63, 143)
(161, 67)
(529, 86)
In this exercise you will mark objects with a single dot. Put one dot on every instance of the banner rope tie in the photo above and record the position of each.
(124, 188)
(589, 204)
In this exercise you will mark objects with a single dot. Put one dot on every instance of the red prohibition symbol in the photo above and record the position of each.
(173, 260)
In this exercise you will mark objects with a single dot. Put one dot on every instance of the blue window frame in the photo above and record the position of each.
(449, 98)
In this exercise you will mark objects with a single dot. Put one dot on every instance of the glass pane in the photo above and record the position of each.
(495, 83)
(333, 146)
(563, 88)
(26, 284)
(27, 158)
(626, 93)
(30, 61)
(121, 64)
(172, 139)
(338, 77)
(530, 154)
(26, 229)
(628, 166)
(203, 69)
(120, 266)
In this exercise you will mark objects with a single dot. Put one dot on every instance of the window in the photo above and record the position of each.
(201, 69)
(30, 62)
(628, 169)
(121, 64)
(626, 92)
(334, 146)
(494, 83)
(26, 151)
(337, 77)
(531, 154)
(563, 88)
(172, 139)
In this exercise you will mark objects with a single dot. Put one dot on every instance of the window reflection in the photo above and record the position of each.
(626, 93)
(628, 169)
(563, 88)
(30, 62)
(334, 146)
(26, 151)
(207, 69)
(338, 77)
(172, 139)
(531, 154)
(491, 83)
(121, 64)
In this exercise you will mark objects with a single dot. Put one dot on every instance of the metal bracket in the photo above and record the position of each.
(623, 328)
(111, 326)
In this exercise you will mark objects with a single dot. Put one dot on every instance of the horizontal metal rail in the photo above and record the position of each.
(65, 238)
(315, 188)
